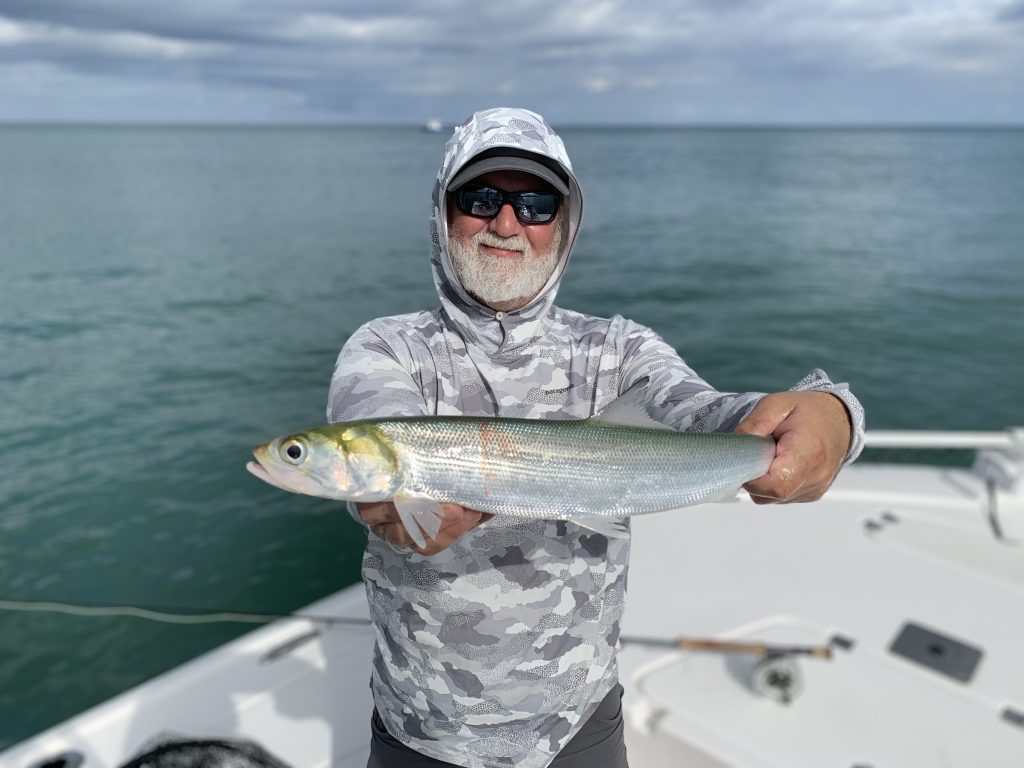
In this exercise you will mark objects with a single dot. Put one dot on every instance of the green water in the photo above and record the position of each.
(170, 297)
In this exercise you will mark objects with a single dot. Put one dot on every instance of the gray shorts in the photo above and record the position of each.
(598, 744)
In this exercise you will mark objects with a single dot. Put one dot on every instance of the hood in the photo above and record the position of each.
(525, 132)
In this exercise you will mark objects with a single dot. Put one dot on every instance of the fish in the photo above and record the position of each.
(594, 472)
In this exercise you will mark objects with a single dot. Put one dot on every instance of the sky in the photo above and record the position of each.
(577, 62)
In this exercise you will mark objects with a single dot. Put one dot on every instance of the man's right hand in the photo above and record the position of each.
(382, 517)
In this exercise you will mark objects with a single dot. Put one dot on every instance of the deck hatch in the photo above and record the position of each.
(937, 651)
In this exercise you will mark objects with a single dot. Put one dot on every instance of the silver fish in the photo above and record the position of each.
(583, 471)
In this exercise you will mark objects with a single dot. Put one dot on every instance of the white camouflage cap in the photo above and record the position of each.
(510, 159)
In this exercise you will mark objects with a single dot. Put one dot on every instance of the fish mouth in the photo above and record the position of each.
(259, 469)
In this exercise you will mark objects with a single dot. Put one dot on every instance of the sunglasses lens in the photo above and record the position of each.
(536, 207)
(484, 202)
(529, 207)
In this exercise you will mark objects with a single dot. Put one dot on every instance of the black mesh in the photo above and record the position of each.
(204, 753)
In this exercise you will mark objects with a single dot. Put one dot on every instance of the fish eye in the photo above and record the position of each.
(293, 450)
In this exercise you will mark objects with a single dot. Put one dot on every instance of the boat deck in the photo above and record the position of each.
(889, 546)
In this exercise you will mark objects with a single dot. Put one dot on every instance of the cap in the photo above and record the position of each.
(509, 159)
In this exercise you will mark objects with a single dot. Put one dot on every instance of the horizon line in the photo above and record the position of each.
(696, 125)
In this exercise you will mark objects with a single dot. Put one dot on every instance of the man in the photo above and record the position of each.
(496, 642)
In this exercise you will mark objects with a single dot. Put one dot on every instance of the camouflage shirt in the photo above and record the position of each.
(495, 651)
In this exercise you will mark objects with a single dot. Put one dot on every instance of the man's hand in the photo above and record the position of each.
(812, 436)
(382, 517)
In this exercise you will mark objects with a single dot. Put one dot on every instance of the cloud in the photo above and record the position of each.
(379, 30)
(103, 42)
(576, 60)
(1012, 12)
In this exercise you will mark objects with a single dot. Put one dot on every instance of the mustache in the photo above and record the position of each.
(514, 243)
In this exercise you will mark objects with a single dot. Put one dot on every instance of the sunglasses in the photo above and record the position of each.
(485, 203)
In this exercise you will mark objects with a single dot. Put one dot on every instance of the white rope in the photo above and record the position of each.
(167, 615)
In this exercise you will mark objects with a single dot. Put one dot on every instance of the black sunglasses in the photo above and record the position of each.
(486, 202)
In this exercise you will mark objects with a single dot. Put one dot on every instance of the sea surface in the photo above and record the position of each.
(169, 297)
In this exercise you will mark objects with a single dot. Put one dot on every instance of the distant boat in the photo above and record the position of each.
(433, 126)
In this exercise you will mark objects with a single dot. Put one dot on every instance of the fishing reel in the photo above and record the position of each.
(777, 677)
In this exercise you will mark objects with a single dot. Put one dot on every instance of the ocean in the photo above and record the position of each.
(169, 297)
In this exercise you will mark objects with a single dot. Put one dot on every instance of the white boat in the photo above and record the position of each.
(911, 575)
(433, 126)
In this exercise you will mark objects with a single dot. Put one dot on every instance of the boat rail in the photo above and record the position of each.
(1007, 440)
(998, 462)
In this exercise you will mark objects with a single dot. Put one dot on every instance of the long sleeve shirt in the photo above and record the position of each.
(496, 650)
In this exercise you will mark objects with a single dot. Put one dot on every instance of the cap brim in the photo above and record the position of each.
(509, 163)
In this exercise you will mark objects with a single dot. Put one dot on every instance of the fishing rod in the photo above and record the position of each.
(181, 615)
(752, 647)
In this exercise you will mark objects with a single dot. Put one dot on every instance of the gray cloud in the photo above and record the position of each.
(577, 61)
(1012, 12)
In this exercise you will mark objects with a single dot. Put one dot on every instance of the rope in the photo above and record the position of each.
(169, 614)
(173, 615)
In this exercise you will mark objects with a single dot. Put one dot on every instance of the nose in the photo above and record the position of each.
(505, 224)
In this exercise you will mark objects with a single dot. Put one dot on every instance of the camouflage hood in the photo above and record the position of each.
(485, 131)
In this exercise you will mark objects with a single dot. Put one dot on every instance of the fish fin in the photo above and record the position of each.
(629, 409)
(730, 495)
(420, 516)
(612, 527)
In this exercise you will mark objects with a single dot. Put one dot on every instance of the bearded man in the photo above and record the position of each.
(495, 643)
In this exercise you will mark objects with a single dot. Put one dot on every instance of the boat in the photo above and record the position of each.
(880, 626)
(433, 126)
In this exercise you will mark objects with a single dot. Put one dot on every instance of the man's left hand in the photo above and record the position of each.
(382, 518)
(812, 436)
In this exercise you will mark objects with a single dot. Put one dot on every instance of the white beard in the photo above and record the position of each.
(497, 279)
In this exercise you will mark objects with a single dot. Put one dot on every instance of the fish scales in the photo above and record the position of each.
(568, 469)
